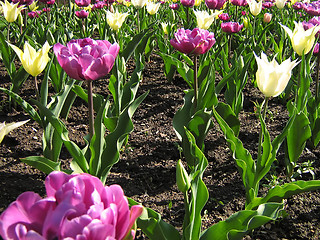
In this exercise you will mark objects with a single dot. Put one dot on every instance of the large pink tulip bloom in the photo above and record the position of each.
(76, 207)
(83, 3)
(215, 4)
(231, 27)
(86, 59)
(198, 41)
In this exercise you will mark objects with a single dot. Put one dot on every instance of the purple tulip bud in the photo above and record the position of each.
(99, 5)
(224, 16)
(316, 49)
(86, 59)
(82, 3)
(298, 6)
(215, 4)
(34, 14)
(243, 13)
(312, 8)
(267, 4)
(187, 3)
(76, 207)
(174, 6)
(82, 14)
(239, 3)
(46, 9)
(231, 27)
(198, 41)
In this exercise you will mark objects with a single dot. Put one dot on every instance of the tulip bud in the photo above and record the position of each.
(182, 178)
(267, 17)
(245, 22)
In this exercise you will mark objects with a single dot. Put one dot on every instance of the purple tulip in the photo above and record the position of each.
(46, 9)
(86, 59)
(99, 5)
(313, 8)
(239, 3)
(267, 4)
(231, 27)
(23, 2)
(187, 3)
(224, 16)
(316, 49)
(82, 3)
(215, 4)
(76, 207)
(198, 41)
(34, 14)
(243, 13)
(315, 21)
(48, 2)
(298, 6)
(82, 14)
(174, 6)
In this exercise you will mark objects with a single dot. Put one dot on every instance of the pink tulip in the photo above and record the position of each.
(99, 5)
(82, 14)
(215, 4)
(82, 3)
(267, 17)
(316, 49)
(267, 5)
(313, 8)
(298, 6)
(224, 16)
(198, 41)
(315, 21)
(231, 27)
(86, 59)
(76, 207)
(187, 3)
(23, 2)
(34, 14)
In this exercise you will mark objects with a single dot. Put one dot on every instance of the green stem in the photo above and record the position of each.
(317, 76)
(186, 220)
(90, 106)
(36, 88)
(265, 105)
(138, 20)
(195, 80)
(8, 33)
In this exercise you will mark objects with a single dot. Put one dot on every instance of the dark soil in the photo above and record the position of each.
(146, 170)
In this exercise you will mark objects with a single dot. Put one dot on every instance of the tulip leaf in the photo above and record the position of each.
(153, 226)
(240, 223)
(43, 164)
(25, 105)
(225, 111)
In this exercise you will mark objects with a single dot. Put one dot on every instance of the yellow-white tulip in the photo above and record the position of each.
(6, 128)
(255, 7)
(271, 77)
(10, 11)
(164, 27)
(138, 3)
(204, 19)
(33, 6)
(152, 8)
(280, 3)
(34, 62)
(116, 19)
(197, 3)
(302, 40)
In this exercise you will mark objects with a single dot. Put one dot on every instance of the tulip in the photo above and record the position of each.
(23, 2)
(215, 4)
(267, 5)
(313, 8)
(204, 19)
(76, 207)
(198, 41)
(197, 3)
(298, 6)
(138, 3)
(34, 62)
(239, 3)
(316, 49)
(33, 6)
(187, 3)
(182, 178)
(224, 16)
(152, 8)
(86, 59)
(34, 14)
(255, 7)
(6, 128)
(231, 27)
(10, 11)
(174, 6)
(82, 14)
(116, 19)
(281, 3)
(302, 40)
(82, 3)
(165, 28)
(98, 5)
(271, 77)
(267, 17)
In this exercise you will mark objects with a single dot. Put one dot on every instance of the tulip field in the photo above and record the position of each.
(165, 120)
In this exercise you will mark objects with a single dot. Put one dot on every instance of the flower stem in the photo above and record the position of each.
(317, 76)
(8, 33)
(195, 80)
(36, 88)
(138, 20)
(90, 106)
(265, 105)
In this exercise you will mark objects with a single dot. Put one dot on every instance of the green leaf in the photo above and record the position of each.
(43, 164)
(240, 223)
(225, 111)
(153, 226)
